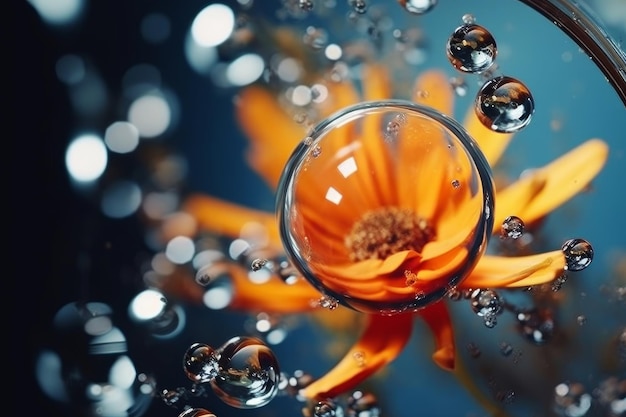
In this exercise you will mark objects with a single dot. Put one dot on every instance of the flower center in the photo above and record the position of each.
(383, 232)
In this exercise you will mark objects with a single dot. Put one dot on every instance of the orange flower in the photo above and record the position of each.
(386, 244)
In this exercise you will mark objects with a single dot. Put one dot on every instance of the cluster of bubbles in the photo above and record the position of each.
(503, 104)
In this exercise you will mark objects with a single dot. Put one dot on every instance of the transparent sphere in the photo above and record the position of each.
(471, 48)
(248, 374)
(200, 363)
(386, 206)
(504, 104)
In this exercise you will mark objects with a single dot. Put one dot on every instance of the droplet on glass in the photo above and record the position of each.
(196, 412)
(200, 363)
(328, 302)
(418, 6)
(578, 254)
(471, 48)
(455, 184)
(512, 228)
(504, 104)
(362, 404)
(248, 373)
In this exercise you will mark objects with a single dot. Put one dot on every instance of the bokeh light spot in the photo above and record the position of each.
(151, 114)
(213, 25)
(121, 199)
(245, 70)
(121, 137)
(86, 158)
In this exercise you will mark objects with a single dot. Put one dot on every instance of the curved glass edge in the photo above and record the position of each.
(577, 22)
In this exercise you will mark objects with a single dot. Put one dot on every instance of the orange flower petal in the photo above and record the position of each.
(515, 271)
(491, 143)
(381, 342)
(433, 89)
(273, 296)
(437, 318)
(228, 219)
(546, 188)
(273, 133)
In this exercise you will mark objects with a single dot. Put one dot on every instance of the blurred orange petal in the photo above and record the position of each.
(228, 219)
(381, 342)
(546, 188)
(516, 271)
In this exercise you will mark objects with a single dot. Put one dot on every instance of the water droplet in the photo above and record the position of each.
(468, 19)
(456, 184)
(328, 302)
(172, 396)
(418, 6)
(557, 284)
(306, 5)
(512, 228)
(578, 254)
(471, 48)
(362, 404)
(359, 358)
(248, 373)
(571, 400)
(506, 349)
(504, 104)
(394, 126)
(581, 320)
(327, 408)
(196, 412)
(316, 151)
(359, 6)
(486, 302)
(536, 325)
(258, 263)
(200, 363)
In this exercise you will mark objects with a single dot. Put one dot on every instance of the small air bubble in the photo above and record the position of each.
(578, 254)
(258, 263)
(504, 104)
(468, 19)
(456, 184)
(512, 228)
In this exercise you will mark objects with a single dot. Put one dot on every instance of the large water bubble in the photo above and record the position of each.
(471, 48)
(504, 104)
(356, 206)
(248, 374)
